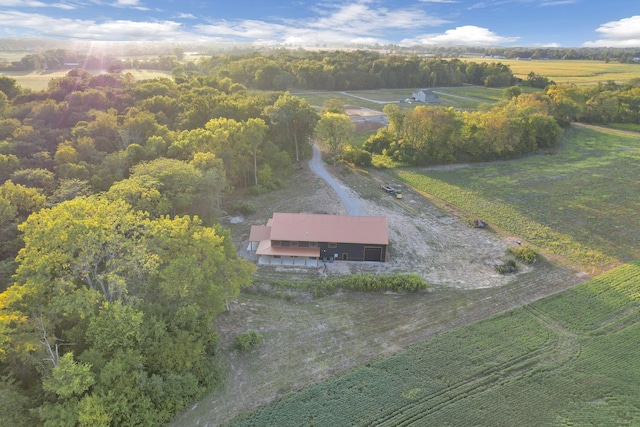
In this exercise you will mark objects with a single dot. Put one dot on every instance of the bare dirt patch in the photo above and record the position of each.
(366, 119)
(308, 340)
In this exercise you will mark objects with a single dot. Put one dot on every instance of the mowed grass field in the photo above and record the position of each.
(567, 360)
(579, 202)
(465, 98)
(39, 80)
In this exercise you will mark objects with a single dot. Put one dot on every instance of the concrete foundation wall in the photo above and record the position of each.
(292, 261)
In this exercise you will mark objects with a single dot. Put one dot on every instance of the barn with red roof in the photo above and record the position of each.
(308, 239)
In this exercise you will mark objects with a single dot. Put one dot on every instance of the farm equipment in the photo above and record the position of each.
(393, 191)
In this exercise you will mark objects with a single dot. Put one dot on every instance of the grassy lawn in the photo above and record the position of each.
(360, 138)
(485, 94)
(580, 202)
(466, 98)
(568, 359)
(39, 80)
(317, 99)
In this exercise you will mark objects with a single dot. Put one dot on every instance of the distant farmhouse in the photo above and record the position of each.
(426, 96)
(309, 239)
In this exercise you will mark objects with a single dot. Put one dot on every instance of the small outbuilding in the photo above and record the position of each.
(426, 95)
(308, 239)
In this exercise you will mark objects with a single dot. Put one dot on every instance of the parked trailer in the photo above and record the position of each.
(393, 191)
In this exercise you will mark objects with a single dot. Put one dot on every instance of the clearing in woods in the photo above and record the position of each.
(308, 340)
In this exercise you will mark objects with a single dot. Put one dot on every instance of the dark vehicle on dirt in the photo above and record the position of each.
(393, 191)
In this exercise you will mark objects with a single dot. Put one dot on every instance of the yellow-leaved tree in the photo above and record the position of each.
(111, 312)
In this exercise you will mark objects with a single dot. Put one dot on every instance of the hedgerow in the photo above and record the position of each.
(371, 283)
(354, 282)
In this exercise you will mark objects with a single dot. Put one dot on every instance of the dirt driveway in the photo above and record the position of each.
(350, 200)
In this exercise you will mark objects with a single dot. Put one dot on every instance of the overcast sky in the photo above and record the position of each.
(529, 23)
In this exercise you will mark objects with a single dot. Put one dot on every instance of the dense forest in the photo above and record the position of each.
(143, 50)
(335, 70)
(113, 262)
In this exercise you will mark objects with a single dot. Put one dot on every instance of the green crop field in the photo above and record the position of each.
(568, 359)
(579, 202)
(570, 71)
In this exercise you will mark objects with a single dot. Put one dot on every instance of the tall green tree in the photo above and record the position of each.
(333, 130)
(178, 182)
(254, 131)
(88, 242)
(9, 86)
(396, 120)
(295, 117)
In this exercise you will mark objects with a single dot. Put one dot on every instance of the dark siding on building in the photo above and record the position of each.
(353, 251)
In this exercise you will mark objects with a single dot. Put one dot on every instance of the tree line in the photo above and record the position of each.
(431, 135)
(606, 102)
(519, 124)
(61, 59)
(341, 70)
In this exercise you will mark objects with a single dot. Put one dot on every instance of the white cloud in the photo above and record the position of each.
(91, 30)
(469, 35)
(129, 4)
(126, 3)
(558, 3)
(439, 1)
(547, 45)
(68, 6)
(64, 6)
(333, 24)
(336, 23)
(245, 29)
(622, 33)
(22, 3)
(480, 5)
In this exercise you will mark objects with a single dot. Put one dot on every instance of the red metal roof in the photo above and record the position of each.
(259, 233)
(329, 228)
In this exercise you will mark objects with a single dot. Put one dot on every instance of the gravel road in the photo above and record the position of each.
(351, 201)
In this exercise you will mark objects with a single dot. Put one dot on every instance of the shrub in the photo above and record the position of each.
(371, 282)
(383, 161)
(508, 267)
(357, 157)
(524, 253)
(248, 340)
(242, 208)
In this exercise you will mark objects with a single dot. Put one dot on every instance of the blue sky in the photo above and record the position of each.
(529, 23)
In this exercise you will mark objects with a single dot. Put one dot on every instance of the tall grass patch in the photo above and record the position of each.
(579, 202)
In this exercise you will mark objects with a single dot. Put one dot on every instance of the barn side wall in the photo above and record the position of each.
(353, 251)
